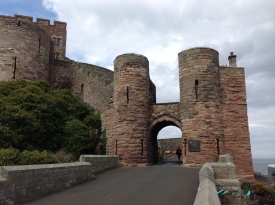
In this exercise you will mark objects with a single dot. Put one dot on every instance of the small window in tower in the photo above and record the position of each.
(14, 68)
(127, 94)
(39, 44)
(82, 88)
(196, 88)
(56, 56)
(58, 40)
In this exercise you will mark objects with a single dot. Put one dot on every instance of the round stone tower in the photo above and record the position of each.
(131, 109)
(25, 50)
(200, 101)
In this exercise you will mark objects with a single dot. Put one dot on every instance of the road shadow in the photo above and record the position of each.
(171, 162)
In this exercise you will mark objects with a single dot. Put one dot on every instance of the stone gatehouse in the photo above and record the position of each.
(211, 114)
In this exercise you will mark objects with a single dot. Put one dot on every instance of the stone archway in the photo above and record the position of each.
(156, 125)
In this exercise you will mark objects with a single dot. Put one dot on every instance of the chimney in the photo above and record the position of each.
(232, 60)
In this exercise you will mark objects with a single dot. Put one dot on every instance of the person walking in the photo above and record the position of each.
(179, 152)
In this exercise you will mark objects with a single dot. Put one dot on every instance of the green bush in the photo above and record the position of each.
(9, 157)
(33, 117)
(36, 157)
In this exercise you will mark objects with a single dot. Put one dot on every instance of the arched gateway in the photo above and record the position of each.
(212, 112)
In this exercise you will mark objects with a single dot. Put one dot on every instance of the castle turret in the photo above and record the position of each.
(25, 50)
(200, 99)
(131, 105)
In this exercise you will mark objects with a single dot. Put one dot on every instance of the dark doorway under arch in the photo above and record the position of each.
(154, 140)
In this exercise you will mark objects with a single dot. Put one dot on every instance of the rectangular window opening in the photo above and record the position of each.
(116, 147)
(39, 44)
(56, 56)
(196, 88)
(218, 146)
(58, 40)
(14, 68)
(127, 95)
(141, 141)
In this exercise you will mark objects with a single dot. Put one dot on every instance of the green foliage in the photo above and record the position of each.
(9, 157)
(33, 117)
(246, 185)
(103, 142)
(36, 157)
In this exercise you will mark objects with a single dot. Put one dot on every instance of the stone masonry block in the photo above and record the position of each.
(207, 194)
(206, 172)
(226, 158)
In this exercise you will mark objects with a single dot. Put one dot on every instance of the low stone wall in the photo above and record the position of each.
(218, 176)
(207, 191)
(100, 163)
(23, 183)
(167, 147)
(207, 194)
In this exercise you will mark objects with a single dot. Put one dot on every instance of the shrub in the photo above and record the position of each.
(260, 188)
(62, 157)
(36, 157)
(9, 156)
(33, 117)
(246, 185)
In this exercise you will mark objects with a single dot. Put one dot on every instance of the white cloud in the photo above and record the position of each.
(98, 31)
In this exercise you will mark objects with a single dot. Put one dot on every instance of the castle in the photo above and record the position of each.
(212, 112)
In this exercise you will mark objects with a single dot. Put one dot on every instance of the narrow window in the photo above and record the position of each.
(116, 147)
(56, 56)
(58, 40)
(54, 40)
(39, 44)
(127, 94)
(19, 23)
(82, 88)
(141, 141)
(196, 88)
(14, 68)
(218, 146)
(185, 143)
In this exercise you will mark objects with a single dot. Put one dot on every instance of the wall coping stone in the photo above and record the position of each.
(207, 194)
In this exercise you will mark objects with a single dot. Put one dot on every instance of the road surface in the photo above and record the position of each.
(168, 183)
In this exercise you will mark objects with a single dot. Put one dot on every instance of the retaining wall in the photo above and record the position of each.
(100, 163)
(219, 176)
(23, 183)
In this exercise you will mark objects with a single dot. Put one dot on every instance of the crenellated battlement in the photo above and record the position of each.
(39, 21)
(57, 30)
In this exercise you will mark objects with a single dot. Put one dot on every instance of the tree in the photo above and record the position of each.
(34, 117)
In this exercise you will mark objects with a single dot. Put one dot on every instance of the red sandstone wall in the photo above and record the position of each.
(91, 83)
(200, 104)
(234, 108)
(166, 112)
(128, 119)
(57, 30)
(20, 40)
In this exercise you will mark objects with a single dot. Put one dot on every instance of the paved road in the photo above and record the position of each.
(169, 183)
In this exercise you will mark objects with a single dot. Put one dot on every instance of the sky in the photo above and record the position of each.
(98, 31)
